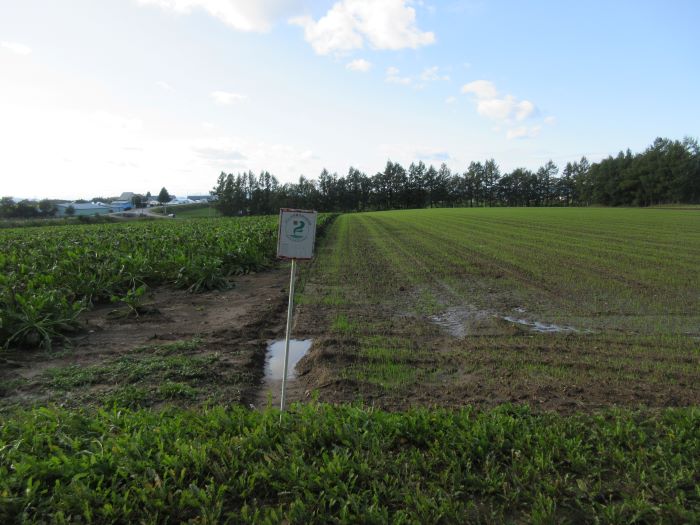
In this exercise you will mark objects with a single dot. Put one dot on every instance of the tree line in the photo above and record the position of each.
(668, 171)
(26, 209)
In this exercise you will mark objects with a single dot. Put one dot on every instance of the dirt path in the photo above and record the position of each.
(209, 345)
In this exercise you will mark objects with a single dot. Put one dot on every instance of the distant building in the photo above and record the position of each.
(121, 205)
(88, 209)
(127, 196)
(176, 200)
(199, 198)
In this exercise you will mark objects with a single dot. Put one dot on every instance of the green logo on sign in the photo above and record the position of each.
(296, 228)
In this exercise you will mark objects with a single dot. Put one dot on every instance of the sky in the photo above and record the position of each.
(98, 97)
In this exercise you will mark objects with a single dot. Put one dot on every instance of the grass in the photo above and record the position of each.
(625, 283)
(174, 373)
(349, 464)
(194, 212)
(189, 211)
(341, 324)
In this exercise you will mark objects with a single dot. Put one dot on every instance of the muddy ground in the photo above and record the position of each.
(183, 349)
(196, 349)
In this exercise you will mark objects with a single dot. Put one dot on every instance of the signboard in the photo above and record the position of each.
(297, 234)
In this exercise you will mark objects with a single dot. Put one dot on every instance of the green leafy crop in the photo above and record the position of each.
(49, 275)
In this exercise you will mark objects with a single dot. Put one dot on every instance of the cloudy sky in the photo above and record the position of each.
(103, 96)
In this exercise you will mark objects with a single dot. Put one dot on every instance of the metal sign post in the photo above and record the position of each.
(288, 333)
(295, 240)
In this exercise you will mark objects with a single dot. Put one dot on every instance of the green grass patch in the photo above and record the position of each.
(183, 346)
(129, 396)
(341, 323)
(455, 298)
(143, 376)
(385, 362)
(166, 361)
(388, 375)
(131, 369)
(174, 390)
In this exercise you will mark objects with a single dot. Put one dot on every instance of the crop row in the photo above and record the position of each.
(49, 275)
(348, 464)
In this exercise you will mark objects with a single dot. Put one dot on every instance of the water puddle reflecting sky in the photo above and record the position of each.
(537, 326)
(274, 365)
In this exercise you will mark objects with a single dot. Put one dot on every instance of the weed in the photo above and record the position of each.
(173, 390)
(342, 324)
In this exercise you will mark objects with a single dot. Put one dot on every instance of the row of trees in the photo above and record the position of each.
(26, 209)
(666, 172)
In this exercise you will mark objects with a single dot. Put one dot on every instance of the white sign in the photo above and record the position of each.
(297, 234)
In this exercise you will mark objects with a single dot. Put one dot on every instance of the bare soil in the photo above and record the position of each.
(231, 326)
(456, 355)
(501, 363)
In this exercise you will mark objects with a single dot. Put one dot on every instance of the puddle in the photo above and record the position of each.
(461, 321)
(271, 388)
(457, 320)
(537, 326)
(274, 364)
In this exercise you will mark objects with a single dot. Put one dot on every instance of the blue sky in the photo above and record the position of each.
(100, 97)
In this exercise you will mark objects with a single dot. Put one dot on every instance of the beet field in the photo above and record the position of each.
(485, 365)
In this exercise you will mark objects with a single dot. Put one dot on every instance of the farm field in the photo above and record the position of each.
(467, 365)
(564, 309)
(50, 275)
(119, 314)
(141, 313)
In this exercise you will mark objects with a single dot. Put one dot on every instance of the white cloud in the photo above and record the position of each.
(230, 153)
(218, 153)
(523, 132)
(524, 109)
(16, 47)
(308, 155)
(433, 156)
(481, 88)
(165, 86)
(359, 64)
(392, 76)
(450, 100)
(226, 98)
(503, 109)
(243, 15)
(431, 75)
(550, 121)
(495, 108)
(383, 24)
(506, 108)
